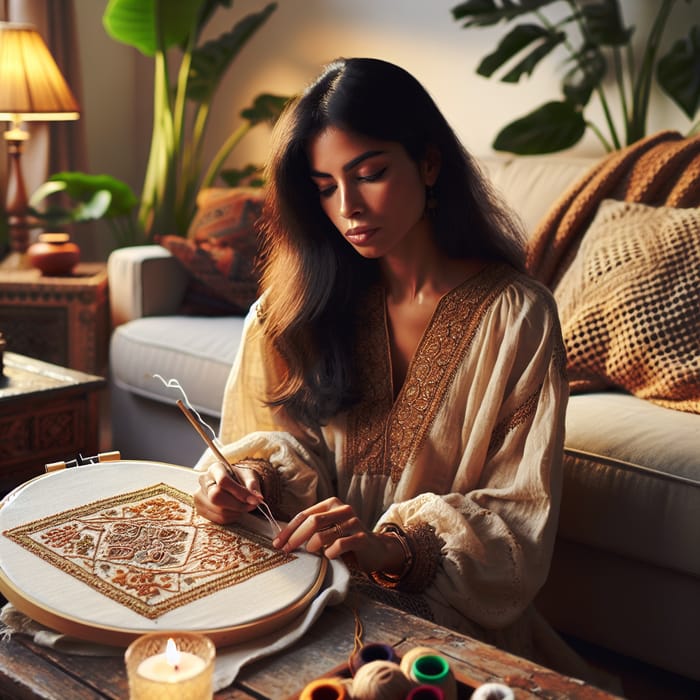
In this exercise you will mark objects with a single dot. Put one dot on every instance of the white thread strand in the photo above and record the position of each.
(175, 384)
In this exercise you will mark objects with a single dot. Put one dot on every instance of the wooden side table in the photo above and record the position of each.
(47, 414)
(63, 320)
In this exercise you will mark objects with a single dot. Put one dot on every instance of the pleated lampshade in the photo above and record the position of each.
(32, 87)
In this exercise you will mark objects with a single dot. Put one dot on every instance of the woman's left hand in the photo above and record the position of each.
(331, 527)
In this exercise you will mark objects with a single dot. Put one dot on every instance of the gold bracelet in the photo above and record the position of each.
(393, 580)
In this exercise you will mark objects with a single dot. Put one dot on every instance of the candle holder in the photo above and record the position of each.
(156, 673)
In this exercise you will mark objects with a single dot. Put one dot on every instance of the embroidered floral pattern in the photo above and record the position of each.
(148, 550)
(383, 438)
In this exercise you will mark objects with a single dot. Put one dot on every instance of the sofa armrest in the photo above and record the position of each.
(144, 281)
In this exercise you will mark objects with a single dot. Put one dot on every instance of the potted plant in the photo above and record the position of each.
(89, 198)
(598, 52)
(170, 33)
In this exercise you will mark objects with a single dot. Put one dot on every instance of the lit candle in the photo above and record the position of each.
(180, 668)
(172, 666)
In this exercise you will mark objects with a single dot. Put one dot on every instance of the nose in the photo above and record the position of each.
(350, 202)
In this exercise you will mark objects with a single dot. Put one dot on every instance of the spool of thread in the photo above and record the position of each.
(380, 680)
(426, 692)
(412, 654)
(433, 669)
(493, 691)
(372, 652)
(325, 689)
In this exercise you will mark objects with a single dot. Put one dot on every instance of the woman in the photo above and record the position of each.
(399, 394)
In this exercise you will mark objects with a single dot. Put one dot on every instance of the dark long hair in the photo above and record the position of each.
(311, 276)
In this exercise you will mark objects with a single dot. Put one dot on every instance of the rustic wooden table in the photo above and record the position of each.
(28, 671)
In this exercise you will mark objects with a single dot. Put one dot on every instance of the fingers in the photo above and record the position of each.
(225, 493)
(321, 528)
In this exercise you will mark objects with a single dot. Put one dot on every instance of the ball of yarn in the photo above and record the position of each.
(380, 680)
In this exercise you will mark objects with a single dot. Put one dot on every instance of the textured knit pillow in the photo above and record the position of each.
(630, 304)
(220, 252)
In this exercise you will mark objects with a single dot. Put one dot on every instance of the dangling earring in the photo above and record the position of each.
(430, 201)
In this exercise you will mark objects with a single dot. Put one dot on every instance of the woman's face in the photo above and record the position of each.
(371, 190)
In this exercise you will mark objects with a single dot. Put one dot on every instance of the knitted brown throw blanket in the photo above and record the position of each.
(626, 274)
(660, 170)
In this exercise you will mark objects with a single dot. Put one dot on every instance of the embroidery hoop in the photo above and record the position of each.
(239, 613)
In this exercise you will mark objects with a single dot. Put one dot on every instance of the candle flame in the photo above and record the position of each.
(172, 654)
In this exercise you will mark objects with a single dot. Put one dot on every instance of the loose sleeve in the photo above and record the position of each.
(488, 543)
(293, 462)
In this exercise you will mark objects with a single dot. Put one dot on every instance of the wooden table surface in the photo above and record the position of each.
(28, 671)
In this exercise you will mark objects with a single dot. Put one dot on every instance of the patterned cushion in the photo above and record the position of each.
(629, 304)
(220, 252)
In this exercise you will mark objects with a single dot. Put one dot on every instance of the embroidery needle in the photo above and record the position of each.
(209, 442)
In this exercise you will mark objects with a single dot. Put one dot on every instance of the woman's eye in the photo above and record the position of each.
(372, 177)
(327, 191)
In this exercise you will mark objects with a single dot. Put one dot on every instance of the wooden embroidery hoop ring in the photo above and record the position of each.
(49, 609)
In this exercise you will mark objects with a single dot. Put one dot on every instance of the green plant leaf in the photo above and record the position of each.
(603, 24)
(250, 175)
(211, 60)
(586, 75)
(82, 188)
(552, 127)
(265, 108)
(94, 208)
(678, 72)
(138, 23)
(484, 13)
(512, 43)
(209, 7)
(530, 61)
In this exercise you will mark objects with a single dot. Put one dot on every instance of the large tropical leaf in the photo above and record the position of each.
(483, 13)
(265, 108)
(530, 60)
(84, 188)
(211, 60)
(603, 23)
(151, 25)
(678, 72)
(511, 44)
(552, 127)
(585, 76)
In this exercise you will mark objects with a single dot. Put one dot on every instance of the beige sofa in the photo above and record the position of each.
(626, 570)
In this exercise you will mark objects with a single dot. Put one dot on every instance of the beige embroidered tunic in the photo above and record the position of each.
(466, 460)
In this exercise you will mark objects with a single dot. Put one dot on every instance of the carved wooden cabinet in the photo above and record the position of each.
(47, 414)
(62, 320)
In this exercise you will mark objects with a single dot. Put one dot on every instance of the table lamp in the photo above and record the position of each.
(32, 88)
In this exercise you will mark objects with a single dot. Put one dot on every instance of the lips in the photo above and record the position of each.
(360, 235)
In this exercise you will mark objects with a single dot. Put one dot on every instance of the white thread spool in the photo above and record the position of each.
(493, 691)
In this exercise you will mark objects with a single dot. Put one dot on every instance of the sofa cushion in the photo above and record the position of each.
(196, 351)
(629, 304)
(529, 184)
(632, 480)
(220, 252)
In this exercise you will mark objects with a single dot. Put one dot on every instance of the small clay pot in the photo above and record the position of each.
(54, 254)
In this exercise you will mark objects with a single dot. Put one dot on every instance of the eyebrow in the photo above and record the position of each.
(350, 164)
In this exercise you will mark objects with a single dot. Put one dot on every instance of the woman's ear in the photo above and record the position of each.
(430, 166)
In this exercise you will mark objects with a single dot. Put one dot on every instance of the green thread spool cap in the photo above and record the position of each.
(430, 669)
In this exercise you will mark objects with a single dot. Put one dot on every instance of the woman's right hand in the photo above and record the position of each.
(221, 499)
